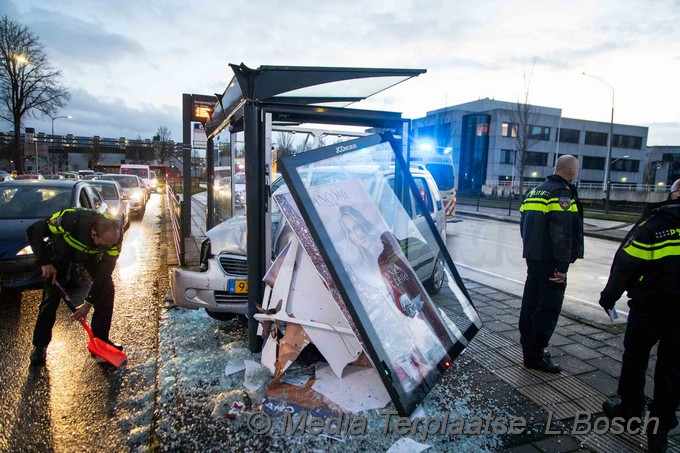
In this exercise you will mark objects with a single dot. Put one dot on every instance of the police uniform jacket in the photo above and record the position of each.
(647, 264)
(552, 223)
(66, 238)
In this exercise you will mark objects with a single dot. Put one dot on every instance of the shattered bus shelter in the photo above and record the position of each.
(257, 100)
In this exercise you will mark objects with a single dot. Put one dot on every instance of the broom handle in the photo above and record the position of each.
(69, 304)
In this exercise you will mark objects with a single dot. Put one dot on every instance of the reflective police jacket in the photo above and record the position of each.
(552, 223)
(66, 238)
(647, 264)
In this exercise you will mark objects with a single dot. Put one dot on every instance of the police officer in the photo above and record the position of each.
(75, 236)
(647, 265)
(552, 233)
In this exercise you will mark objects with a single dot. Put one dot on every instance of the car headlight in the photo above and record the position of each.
(113, 212)
(205, 254)
(136, 196)
(25, 251)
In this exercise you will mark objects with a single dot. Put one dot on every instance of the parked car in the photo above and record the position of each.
(29, 176)
(112, 193)
(23, 203)
(53, 177)
(134, 191)
(220, 287)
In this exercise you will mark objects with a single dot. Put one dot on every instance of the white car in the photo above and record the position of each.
(221, 285)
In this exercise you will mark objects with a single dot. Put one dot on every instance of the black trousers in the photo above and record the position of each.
(646, 328)
(541, 306)
(47, 314)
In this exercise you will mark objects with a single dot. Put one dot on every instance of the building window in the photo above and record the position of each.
(536, 159)
(507, 156)
(626, 165)
(539, 133)
(593, 163)
(627, 141)
(509, 130)
(596, 138)
(482, 130)
(426, 132)
(569, 135)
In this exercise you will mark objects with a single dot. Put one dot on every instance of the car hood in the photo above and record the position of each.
(13, 236)
(229, 236)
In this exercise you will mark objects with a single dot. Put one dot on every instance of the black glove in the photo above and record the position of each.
(607, 305)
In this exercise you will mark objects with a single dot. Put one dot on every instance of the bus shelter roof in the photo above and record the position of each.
(322, 87)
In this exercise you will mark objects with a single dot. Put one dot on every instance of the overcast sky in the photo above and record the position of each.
(127, 63)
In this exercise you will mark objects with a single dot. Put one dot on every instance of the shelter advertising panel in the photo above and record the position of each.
(384, 251)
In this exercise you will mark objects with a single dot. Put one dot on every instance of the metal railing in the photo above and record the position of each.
(175, 207)
(623, 187)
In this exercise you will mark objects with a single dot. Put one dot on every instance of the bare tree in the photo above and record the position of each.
(285, 145)
(524, 118)
(196, 163)
(163, 146)
(28, 84)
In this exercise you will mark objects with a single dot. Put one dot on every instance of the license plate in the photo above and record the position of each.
(238, 286)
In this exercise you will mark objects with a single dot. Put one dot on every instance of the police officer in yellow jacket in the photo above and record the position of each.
(75, 236)
(647, 265)
(552, 234)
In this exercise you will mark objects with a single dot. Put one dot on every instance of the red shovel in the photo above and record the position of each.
(96, 346)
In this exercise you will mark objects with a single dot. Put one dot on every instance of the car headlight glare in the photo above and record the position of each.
(137, 196)
(25, 251)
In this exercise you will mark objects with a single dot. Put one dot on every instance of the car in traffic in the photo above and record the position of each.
(239, 189)
(22, 203)
(134, 191)
(29, 176)
(220, 286)
(112, 193)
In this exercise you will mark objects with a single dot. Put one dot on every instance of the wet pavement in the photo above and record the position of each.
(74, 403)
(489, 376)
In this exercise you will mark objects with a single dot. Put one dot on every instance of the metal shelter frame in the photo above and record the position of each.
(254, 100)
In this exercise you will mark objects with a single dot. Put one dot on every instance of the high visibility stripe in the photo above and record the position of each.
(651, 252)
(70, 240)
(545, 206)
(57, 229)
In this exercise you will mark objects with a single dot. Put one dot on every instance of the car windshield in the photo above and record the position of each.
(32, 202)
(108, 191)
(124, 181)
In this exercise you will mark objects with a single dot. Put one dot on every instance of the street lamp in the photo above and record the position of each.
(607, 163)
(52, 141)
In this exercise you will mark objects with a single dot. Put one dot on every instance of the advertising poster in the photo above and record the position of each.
(380, 250)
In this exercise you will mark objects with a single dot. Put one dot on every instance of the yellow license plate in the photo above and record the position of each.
(238, 286)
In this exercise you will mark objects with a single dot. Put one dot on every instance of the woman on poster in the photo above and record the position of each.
(392, 296)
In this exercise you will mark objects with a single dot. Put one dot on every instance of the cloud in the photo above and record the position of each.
(111, 118)
(70, 39)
